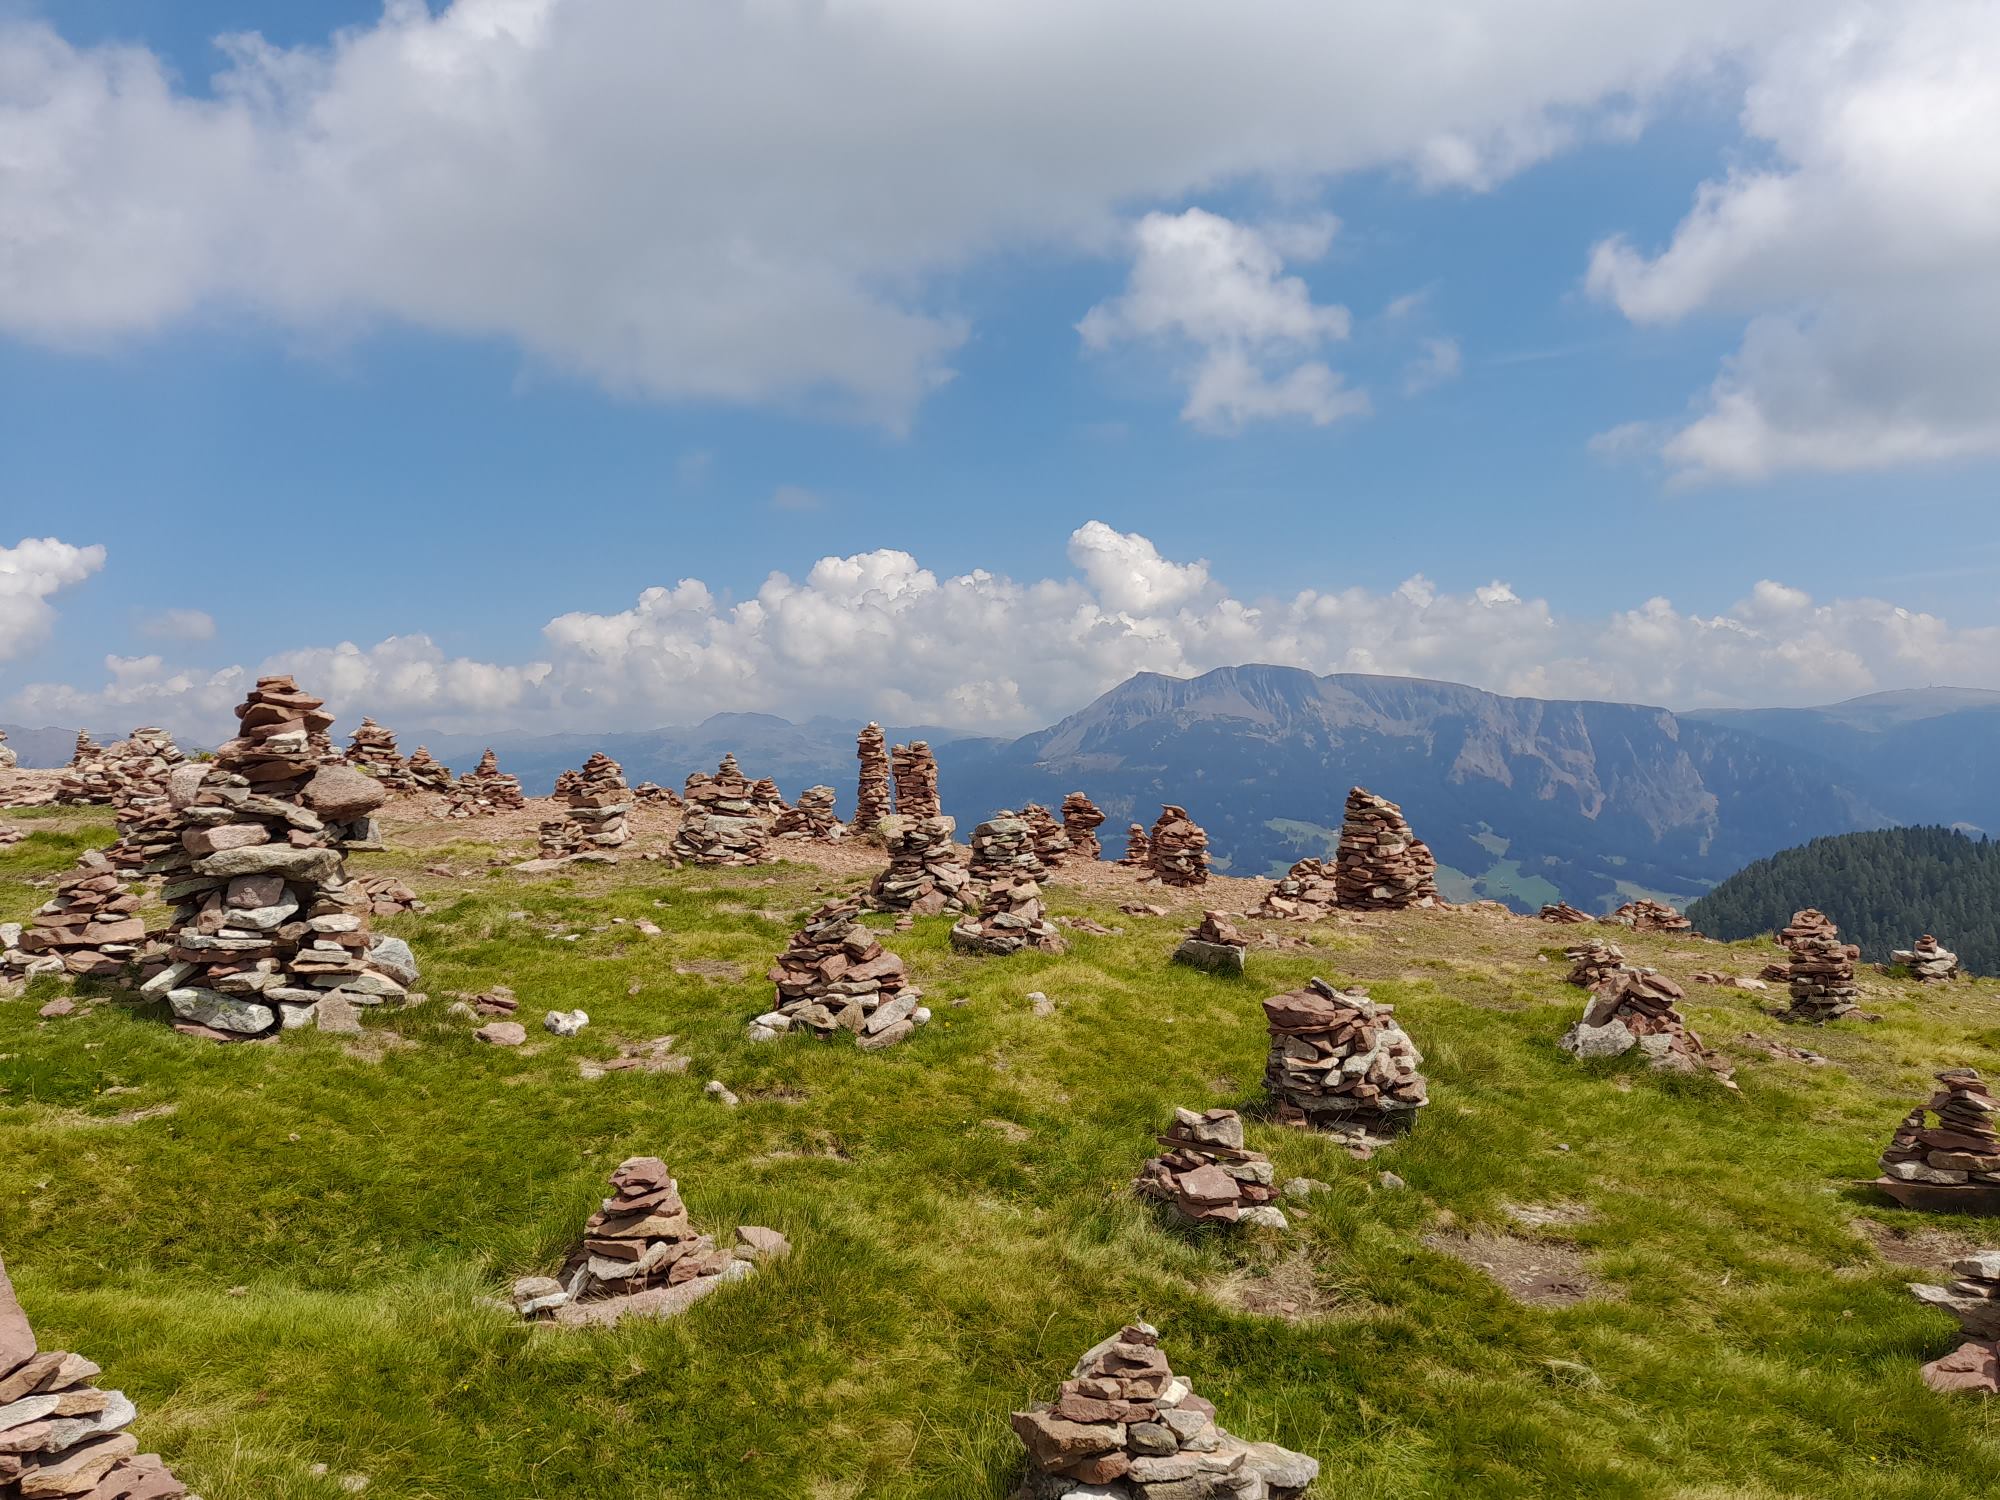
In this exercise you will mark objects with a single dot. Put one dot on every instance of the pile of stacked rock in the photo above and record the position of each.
(387, 896)
(1125, 1427)
(8, 759)
(267, 928)
(1050, 842)
(1807, 924)
(1650, 916)
(1214, 945)
(373, 749)
(767, 799)
(1339, 1061)
(1002, 849)
(871, 793)
(91, 924)
(834, 976)
(1929, 961)
(1962, 1149)
(148, 830)
(721, 825)
(115, 775)
(485, 790)
(1010, 917)
(84, 781)
(559, 838)
(1177, 849)
(1138, 853)
(812, 818)
(9, 834)
(1973, 1298)
(427, 773)
(1208, 1176)
(1380, 864)
(652, 794)
(1308, 890)
(60, 1435)
(1821, 976)
(1562, 911)
(1638, 1008)
(1593, 962)
(598, 802)
(1081, 819)
(925, 875)
(915, 772)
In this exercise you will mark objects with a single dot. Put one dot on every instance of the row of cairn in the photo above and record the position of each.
(835, 976)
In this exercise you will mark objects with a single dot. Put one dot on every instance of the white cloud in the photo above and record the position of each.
(754, 200)
(1438, 362)
(796, 497)
(1865, 256)
(30, 572)
(876, 634)
(179, 625)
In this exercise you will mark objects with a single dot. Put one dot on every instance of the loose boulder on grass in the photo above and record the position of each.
(1973, 1298)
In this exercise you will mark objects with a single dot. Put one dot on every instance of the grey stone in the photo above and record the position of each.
(1216, 958)
(1268, 1215)
(207, 1008)
(393, 957)
(1612, 1039)
(339, 1015)
(1281, 1468)
(342, 794)
(305, 866)
(565, 1022)
(295, 1017)
(66, 1432)
(889, 1013)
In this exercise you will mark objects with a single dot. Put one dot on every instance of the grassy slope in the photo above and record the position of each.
(364, 1201)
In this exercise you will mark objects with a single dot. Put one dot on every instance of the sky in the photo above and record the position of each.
(603, 364)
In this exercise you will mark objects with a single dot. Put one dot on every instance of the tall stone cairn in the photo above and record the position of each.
(90, 928)
(426, 772)
(1962, 1148)
(599, 802)
(1207, 1176)
(1973, 1298)
(914, 770)
(835, 976)
(1806, 924)
(1177, 849)
(1127, 1427)
(1081, 818)
(1339, 1061)
(1308, 890)
(267, 926)
(1646, 915)
(486, 790)
(1928, 960)
(8, 759)
(372, 748)
(60, 1434)
(1380, 864)
(146, 820)
(1138, 853)
(1003, 848)
(1010, 918)
(871, 792)
(721, 826)
(926, 874)
(1821, 978)
(1640, 1007)
(811, 819)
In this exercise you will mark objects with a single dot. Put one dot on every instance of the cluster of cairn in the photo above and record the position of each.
(925, 874)
(1214, 945)
(267, 929)
(1339, 1061)
(90, 928)
(835, 976)
(1928, 960)
(1003, 848)
(1593, 962)
(1638, 1007)
(722, 825)
(1562, 911)
(427, 773)
(372, 748)
(812, 818)
(914, 770)
(1208, 1176)
(1010, 917)
(1820, 971)
(1046, 834)
(871, 793)
(133, 771)
(1081, 818)
(598, 801)
(485, 790)
(1177, 849)
(1308, 890)
(60, 1434)
(1125, 1427)
(1380, 864)
(1650, 916)
(1138, 853)
(1962, 1149)
(1973, 1298)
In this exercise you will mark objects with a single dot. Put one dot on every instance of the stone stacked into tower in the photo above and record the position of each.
(1646, 915)
(1309, 890)
(1380, 864)
(1081, 818)
(926, 875)
(1593, 962)
(1177, 849)
(372, 748)
(1821, 977)
(1214, 945)
(1010, 917)
(599, 801)
(1634, 1007)
(1207, 1175)
(91, 924)
(1003, 849)
(1138, 853)
(427, 773)
(812, 818)
(1050, 841)
(486, 790)
(115, 775)
(915, 772)
(767, 800)
(1928, 960)
(1973, 1298)
(721, 825)
(836, 976)
(871, 793)
(1962, 1149)
(1339, 1061)
(267, 924)
(140, 768)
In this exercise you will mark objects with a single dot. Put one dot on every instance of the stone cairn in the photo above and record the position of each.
(1821, 977)
(1928, 961)
(1380, 864)
(1003, 848)
(427, 773)
(1309, 890)
(8, 759)
(1962, 1149)
(267, 928)
(1563, 912)
(599, 801)
(768, 800)
(1214, 945)
(1177, 849)
(914, 770)
(147, 826)
(1206, 1174)
(1650, 916)
(1081, 818)
(90, 928)
(133, 769)
(1127, 1428)
(1010, 918)
(1973, 1298)
(812, 818)
(1593, 962)
(652, 794)
(372, 748)
(721, 825)
(1051, 843)
(871, 793)
(835, 976)
(1138, 848)
(1636, 1007)
(83, 781)
(1340, 1062)
(926, 875)
(486, 790)
(60, 1435)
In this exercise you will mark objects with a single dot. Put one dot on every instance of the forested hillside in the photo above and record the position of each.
(1883, 888)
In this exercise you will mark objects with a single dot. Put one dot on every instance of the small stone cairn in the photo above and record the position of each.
(60, 1435)
(372, 748)
(1339, 1061)
(1928, 961)
(915, 772)
(1973, 1298)
(1593, 962)
(811, 819)
(871, 793)
(835, 976)
(1178, 849)
(1638, 1007)
(1010, 918)
(926, 875)
(427, 773)
(132, 771)
(1646, 915)
(721, 825)
(1380, 864)
(652, 794)
(1309, 890)
(147, 825)
(1214, 945)
(1125, 1427)
(84, 781)
(1003, 848)
(90, 928)
(599, 802)
(1081, 818)
(1138, 848)
(768, 800)
(486, 790)
(1051, 843)
(1562, 912)
(1208, 1176)
(8, 759)
(267, 926)
(1962, 1149)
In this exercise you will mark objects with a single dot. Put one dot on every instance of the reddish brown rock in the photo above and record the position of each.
(811, 819)
(914, 771)
(1646, 915)
(485, 790)
(1081, 819)
(1138, 853)
(1177, 849)
(1307, 892)
(1636, 1007)
(722, 825)
(1010, 918)
(871, 797)
(1380, 864)
(926, 875)
(1962, 1148)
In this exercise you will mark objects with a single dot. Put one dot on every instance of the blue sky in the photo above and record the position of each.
(322, 408)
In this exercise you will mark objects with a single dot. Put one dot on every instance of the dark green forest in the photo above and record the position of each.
(1883, 888)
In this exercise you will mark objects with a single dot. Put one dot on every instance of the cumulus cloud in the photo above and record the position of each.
(1865, 256)
(31, 572)
(755, 200)
(179, 625)
(877, 634)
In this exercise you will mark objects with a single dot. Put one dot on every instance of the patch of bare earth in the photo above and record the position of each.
(1920, 1247)
(1287, 1288)
(1541, 1273)
(711, 968)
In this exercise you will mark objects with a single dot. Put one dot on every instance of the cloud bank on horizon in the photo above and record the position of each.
(879, 635)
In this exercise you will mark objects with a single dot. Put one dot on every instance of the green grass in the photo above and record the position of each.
(289, 1266)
